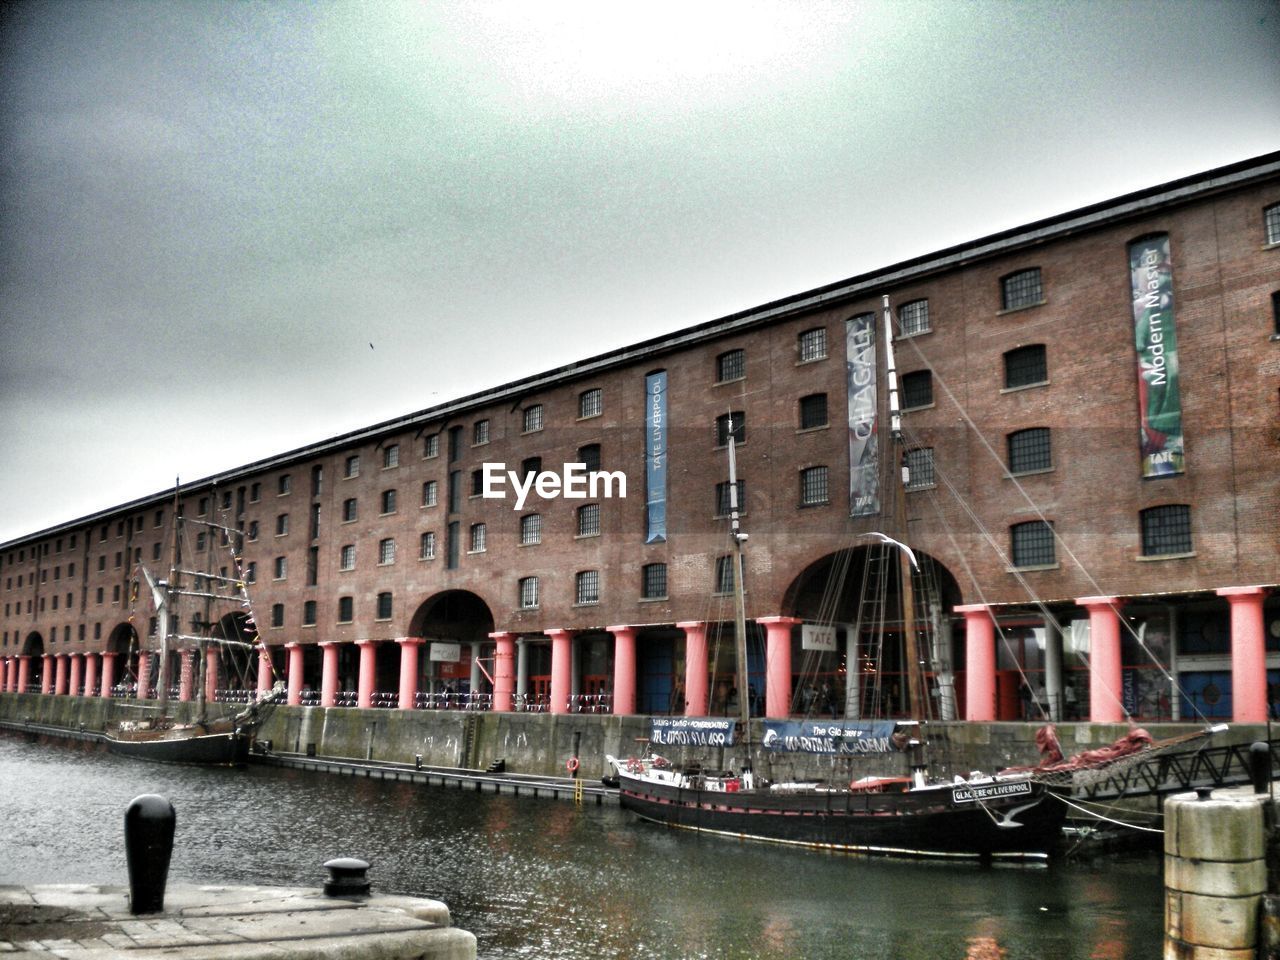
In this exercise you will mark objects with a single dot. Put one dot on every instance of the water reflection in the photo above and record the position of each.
(543, 879)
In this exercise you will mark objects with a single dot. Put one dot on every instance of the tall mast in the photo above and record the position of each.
(911, 651)
(166, 615)
(739, 597)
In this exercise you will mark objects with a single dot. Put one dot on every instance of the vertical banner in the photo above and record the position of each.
(1159, 406)
(864, 461)
(655, 456)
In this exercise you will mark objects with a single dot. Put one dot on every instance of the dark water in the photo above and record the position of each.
(545, 879)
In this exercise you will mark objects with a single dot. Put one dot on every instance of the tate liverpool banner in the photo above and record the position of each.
(655, 456)
(1159, 406)
(860, 365)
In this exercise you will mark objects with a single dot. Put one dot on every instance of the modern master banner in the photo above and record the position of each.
(1159, 406)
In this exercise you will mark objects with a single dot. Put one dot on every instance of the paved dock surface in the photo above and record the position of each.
(93, 922)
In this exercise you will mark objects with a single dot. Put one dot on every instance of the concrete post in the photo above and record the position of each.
(368, 673)
(293, 651)
(77, 668)
(329, 673)
(777, 681)
(561, 654)
(60, 675)
(1053, 668)
(695, 668)
(409, 672)
(108, 674)
(504, 671)
(1215, 874)
(1106, 684)
(979, 663)
(624, 669)
(522, 671)
(1248, 654)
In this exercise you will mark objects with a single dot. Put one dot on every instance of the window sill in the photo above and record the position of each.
(801, 363)
(1032, 568)
(1026, 306)
(587, 603)
(807, 506)
(534, 607)
(428, 506)
(1155, 558)
(1025, 386)
(472, 553)
(924, 406)
(922, 486)
(721, 383)
(654, 599)
(532, 543)
(425, 559)
(525, 433)
(586, 536)
(820, 427)
(590, 416)
(1028, 473)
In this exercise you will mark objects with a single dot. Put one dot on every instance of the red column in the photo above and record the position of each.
(60, 676)
(91, 674)
(293, 671)
(777, 681)
(186, 671)
(624, 669)
(77, 674)
(144, 676)
(504, 671)
(979, 662)
(265, 670)
(6, 671)
(211, 659)
(46, 674)
(409, 671)
(24, 674)
(108, 674)
(368, 673)
(695, 667)
(1106, 684)
(1248, 654)
(561, 668)
(329, 673)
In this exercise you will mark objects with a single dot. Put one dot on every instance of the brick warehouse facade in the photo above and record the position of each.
(369, 553)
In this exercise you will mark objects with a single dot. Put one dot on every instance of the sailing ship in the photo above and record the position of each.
(1009, 815)
(160, 736)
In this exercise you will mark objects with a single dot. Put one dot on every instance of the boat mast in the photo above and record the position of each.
(165, 617)
(739, 598)
(911, 651)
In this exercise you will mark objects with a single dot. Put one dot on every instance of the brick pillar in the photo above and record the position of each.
(368, 673)
(265, 670)
(979, 662)
(409, 671)
(777, 658)
(293, 671)
(144, 676)
(60, 675)
(504, 671)
(108, 674)
(1248, 654)
(186, 675)
(1106, 685)
(695, 667)
(329, 673)
(624, 669)
(561, 668)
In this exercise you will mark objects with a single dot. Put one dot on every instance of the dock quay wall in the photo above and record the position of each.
(542, 744)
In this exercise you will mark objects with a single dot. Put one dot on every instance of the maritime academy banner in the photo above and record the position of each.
(839, 737)
(1159, 405)
(864, 461)
(691, 731)
(655, 456)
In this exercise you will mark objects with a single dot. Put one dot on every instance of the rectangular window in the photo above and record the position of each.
(346, 609)
(654, 581)
(531, 529)
(813, 487)
(431, 446)
(590, 403)
(1166, 530)
(813, 411)
(1033, 544)
(388, 501)
(1021, 289)
(920, 468)
(913, 317)
(589, 457)
(917, 389)
(735, 423)
(349, 512)
(480, 432)
(391, 456)
(533, 418)
(587, 587)
(724, 573)
(589, 520)
(1029, 450)
(731, 365)
(281, 567)
(251, 572)
(384, 606)
(1026, 366)
(477, 483)
(309, 613)
(387, 551)
(429, 494)
(277, 614)
(453, 535)
(812, 344)
(255, 492)
(528, 593)
(723, 506)
(353, 466)
(313, 566)
(282, 524)
(284, 485)
(1271, 216)
(427, 546)
(479, 537)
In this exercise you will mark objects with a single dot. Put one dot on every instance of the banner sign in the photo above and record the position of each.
(691, 731)
(864, 461)
(977, 792)
(1159, 405)
(446, 652)
(655, 456)
(815, 637)
(843, 737)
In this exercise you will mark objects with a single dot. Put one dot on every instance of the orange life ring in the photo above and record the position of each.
(571, 764)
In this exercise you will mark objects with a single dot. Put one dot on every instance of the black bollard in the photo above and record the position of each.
(148, 845)
(347, 878)
(1260, 766)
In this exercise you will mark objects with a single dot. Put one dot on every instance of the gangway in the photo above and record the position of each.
(1165, 773)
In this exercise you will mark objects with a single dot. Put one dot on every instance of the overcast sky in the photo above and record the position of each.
(211, 210)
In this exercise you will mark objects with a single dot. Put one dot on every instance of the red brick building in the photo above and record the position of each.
(1104, 540)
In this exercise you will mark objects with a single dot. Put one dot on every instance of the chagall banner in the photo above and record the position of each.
(860, 365)
(691, 731)
(655, 456)
(1159, 405)
(843, 737)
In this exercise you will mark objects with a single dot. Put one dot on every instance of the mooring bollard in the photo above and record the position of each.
(347, 878)
(148, 845)
(1260, 766)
